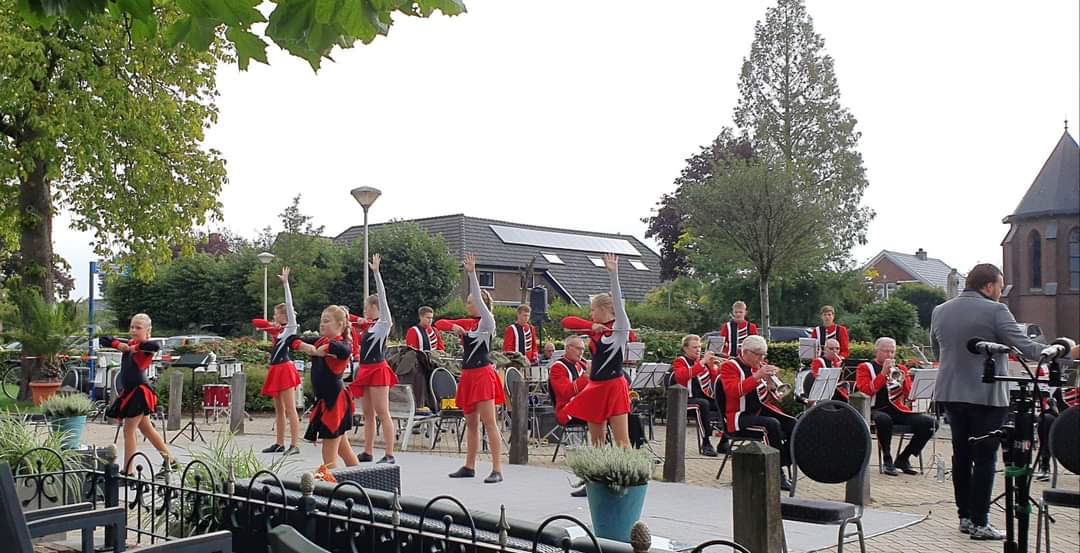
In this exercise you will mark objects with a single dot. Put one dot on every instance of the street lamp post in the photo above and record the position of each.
(365, 196)
(265, 258)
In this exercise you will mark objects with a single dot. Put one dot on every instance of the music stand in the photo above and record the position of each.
(635, 352)
(715, 344)
(649, 375)
(808, 349)
(193, 361)
(923, 382)
(825, 384)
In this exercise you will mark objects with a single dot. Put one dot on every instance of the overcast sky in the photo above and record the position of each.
(580, 114)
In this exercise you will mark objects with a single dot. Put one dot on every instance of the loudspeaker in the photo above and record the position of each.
(538, 301)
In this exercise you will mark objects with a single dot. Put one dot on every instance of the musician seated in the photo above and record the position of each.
(889, 384)
(831, 360)
(751, 405)
(699, 374)
(548, 354)
(567, 376)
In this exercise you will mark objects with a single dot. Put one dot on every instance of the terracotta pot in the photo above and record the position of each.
(43, 390)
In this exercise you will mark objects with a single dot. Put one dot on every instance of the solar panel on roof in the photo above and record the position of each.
(563, 240)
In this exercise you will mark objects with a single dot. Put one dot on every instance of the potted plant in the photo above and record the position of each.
(67, 415)
(43, 330)
(615, 482)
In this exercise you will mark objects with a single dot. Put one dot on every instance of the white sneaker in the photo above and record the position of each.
(966, 526)
(986, 533)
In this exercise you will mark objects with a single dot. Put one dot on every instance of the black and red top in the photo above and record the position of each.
(522, 339)
(326, 372)
(565, 379)
(740, 391)
(693, 374)
(476, 343)
(372, 349)
(133, 364)
(423, 339)
(734, 333)
(872, 380)
(837, 332)
(282, 336)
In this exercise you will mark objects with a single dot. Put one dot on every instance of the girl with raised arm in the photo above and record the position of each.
(479, 390)
(282, 379)
(374, 377)
(332, 415)
(137, 399)
(606, 399)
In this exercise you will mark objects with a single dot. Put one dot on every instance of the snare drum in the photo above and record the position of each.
(216, 395)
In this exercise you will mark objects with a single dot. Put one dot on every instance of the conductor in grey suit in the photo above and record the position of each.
(972, 407)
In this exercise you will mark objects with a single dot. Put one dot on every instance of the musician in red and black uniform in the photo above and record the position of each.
(282, 379)
(568, 376)
(331, 417)
(736, 330)
(374, 377)
(479, 390)
(876, 379)
(829, 329)
(744, 378)
(521, 336)
(606, 398)
(831, 360)
(700, 375)
(137, 399)
(1054, 401)
(423, 336)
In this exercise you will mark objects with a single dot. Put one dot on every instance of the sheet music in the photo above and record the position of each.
(923, 382)
(824, 384)
(649, 375)
(715, 344)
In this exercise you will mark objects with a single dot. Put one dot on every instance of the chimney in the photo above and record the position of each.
(921, 254)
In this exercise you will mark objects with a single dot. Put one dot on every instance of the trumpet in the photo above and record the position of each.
(896, 376)
(778, 387)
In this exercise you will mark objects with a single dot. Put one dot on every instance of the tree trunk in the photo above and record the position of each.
(763, 290)
(35, 249)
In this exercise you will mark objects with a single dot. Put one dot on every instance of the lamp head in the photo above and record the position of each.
(365, 195)
(265, 258)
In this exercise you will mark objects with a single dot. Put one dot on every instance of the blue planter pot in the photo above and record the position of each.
(72, 428)
(614, 512)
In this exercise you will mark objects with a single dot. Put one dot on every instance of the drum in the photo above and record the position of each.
(216, 395)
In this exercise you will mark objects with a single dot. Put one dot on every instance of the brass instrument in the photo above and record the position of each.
(896, 376)
(778, 387)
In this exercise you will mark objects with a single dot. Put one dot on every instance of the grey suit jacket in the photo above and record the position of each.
(955, 322)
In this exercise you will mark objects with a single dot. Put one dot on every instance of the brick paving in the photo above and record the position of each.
(921, 494)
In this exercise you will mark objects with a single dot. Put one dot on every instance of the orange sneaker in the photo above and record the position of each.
(324, 474)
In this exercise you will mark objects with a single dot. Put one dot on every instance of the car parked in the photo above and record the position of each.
(174, 342)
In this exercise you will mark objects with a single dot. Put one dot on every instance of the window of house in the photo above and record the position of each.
(596, 261)
(890, 289)
(1074, 258)
(637, 264)
(552, 258)
(486, 278)
(1036, 259)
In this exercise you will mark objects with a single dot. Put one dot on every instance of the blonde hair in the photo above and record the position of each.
(524, 309)
(280, 308)
(690, 338)
(739, 304)
(144, 318)
(425, 310)
(340, 315)
(827, 309)
(371, 300)
(603, 300)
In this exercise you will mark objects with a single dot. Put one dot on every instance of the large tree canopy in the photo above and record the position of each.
(309, 29)
(108, 128)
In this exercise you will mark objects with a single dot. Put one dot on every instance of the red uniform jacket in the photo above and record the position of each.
(565, 380)
(839, 332)
(874, 382)
(415, 338)
(741, 332)
(820, 363)
(521, 339)
(357, 327)
(701, 381)
(740, 392)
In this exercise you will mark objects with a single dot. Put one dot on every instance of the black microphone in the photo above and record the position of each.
(1057, 349)
(978, 345)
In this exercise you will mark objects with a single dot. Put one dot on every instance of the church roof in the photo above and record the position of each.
(1056, 189)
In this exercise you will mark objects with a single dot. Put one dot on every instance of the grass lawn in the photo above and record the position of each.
(11, 405)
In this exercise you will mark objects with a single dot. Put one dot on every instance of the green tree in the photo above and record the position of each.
(893, 317)
(416, 267)
(309, 29)
(790, 104)
(108, 128)
(924, 298)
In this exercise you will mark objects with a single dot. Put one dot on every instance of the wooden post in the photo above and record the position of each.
(675, 448)
(858, 489)
(519, 423)
(176, 400)
(755, 494)
(236, 402)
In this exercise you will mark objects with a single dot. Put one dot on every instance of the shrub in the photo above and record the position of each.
(893, 317)
(62, 406)
(613, 466)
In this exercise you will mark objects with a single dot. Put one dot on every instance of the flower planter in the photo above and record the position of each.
(72, 428)
(614, 510)
(40, 391)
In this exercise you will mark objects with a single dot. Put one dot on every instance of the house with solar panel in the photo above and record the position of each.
(512, 258)
(890, 270)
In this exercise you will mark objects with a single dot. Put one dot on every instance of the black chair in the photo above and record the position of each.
(285, 539)
(20, 528)
(573, 428)
(901, 431)
(830, 444)
(1065, 450)
(443, 385)
(738, 438)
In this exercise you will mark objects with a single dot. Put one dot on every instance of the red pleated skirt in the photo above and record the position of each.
(330, 421)
(280, 377)
(375, 374)
(136, 402)
(476, 385)
(599, 401)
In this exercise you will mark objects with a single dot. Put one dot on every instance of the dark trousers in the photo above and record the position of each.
(777, 427)
(707, 416)
(922, 427)
(1046, 420)
(974, 464)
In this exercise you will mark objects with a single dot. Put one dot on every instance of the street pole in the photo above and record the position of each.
(264, 299)
(366, 258)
